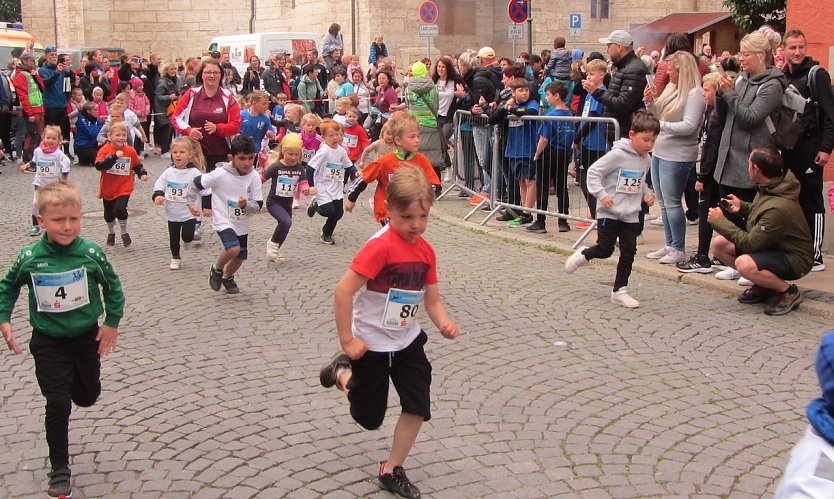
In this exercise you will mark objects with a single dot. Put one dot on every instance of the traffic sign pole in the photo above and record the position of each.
(529, 27)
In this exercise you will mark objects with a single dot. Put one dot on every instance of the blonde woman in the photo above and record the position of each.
(752, 97)
(680, 109)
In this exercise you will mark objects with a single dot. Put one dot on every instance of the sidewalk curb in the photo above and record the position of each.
(731, 288)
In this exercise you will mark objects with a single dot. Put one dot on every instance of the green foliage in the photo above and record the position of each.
(749, 15)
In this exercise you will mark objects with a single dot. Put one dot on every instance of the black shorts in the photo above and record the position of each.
(230, 240)
(410, 371)
(775, 262)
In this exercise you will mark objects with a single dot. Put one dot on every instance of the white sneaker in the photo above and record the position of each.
(818, 267)
(175, 264)
(673, 257)
(657, 221)
(621, 297)
(728, 274)
(743, 281)
(576, 260)
(650, 217)
(272, 249)
(656, 255)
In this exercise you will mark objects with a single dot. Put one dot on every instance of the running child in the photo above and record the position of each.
(311, 143)
(378, 148)
(375, 309)
(171, 189)
(278, 109)
(235, 196)
(51, 165)
(117, 162)
(67, 277)
(254, 121)
(326, 176)
(291, 123)
(405, 129)
(286, 172)
(618, 181)
(342, 105)
(355, 136)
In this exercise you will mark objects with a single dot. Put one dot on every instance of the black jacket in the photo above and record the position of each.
(711, 140)
(625, 92)
(486, 83)
(819, 115)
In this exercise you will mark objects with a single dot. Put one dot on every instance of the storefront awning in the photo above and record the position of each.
(683, 22)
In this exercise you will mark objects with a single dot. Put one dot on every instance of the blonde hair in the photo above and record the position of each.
(344, 101)
(310, 117)
(60, 193)
(294, 108)
(168, 65)
(257, 95)
(401, 123)
(596, 65)
(53, 128)
(409, 184)
(194, 148)
(711, 78)
(98, 90)
(670, 104)
(761, 42)
(117, 125)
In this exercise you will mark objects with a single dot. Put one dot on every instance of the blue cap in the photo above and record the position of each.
(825, 368)
(50, 49)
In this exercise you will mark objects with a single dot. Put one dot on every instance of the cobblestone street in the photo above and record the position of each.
(550, 391)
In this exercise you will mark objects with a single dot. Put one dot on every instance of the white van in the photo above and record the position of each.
(241, 47)
(13, 40)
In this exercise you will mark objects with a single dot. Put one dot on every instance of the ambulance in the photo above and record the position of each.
(241, 47)
(13, 40)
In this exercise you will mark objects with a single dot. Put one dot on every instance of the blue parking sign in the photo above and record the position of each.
(575, 21)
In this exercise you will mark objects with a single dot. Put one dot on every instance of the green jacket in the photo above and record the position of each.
(309, 90)
(774, 223)
(422, 98)
(58, 272)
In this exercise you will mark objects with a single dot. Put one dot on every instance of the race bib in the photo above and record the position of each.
(47, 169)
(630, 181)
(286, 186)
(334, 171)
(513, 123)
(175, 192)
(401, 308)
(122, 167)
(307, 155)
(62, 292)
(235, 211)
(586, 109)
(350, 141)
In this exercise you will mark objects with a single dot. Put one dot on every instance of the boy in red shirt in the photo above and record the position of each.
(405, 129)
(117, 162)
(375, 307)
(354, 136)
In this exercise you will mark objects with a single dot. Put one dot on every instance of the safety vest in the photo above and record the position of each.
(35, 95)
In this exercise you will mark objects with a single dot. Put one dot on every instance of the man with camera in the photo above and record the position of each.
(775, 244)
(53, 74)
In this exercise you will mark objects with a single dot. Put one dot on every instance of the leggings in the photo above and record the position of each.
(177, 230)
(333, 211)
(281, 211)
(115, 208)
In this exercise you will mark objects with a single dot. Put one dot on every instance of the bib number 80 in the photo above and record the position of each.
(409, 311)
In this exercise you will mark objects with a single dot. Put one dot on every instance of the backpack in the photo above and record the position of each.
(785, 124)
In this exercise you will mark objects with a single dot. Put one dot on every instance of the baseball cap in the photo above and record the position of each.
(486, 53)
(49, 50)
(619, 37)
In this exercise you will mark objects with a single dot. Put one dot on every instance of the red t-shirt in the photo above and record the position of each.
(203, 109)
(381, 171)
(118, 180)
(397, 273)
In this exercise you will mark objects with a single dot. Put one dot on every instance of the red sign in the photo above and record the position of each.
(429, 12)
(518, 10)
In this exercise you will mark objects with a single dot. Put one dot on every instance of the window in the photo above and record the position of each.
(600, 9)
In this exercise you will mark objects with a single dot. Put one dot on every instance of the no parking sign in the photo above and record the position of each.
(518, 10)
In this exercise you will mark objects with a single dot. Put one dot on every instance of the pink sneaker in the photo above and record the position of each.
(295, 204)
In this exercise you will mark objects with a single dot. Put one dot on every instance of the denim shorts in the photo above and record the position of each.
(232, 240)
(522, 168)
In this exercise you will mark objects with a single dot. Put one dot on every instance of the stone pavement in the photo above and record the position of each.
(551, 391)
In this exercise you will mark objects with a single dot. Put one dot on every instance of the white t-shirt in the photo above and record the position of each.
(445, 95)
(329, 164)
(49, 167)
(226, 188)
(173, 183)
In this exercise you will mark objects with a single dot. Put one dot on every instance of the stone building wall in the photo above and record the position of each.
(185, 27)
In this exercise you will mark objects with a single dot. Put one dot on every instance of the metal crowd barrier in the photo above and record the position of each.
(503, 186)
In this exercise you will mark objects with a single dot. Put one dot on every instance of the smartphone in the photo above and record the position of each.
(650, 81)
(724, 204)
(719, 68)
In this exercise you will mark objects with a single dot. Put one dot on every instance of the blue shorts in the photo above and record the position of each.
(232, 240)
(522, 168)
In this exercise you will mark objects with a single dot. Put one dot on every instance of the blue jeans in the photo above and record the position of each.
(669, 178)
(483, 148)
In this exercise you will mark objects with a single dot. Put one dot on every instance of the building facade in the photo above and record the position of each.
(182, 28)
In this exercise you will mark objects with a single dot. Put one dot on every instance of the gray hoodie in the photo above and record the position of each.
(620, 174)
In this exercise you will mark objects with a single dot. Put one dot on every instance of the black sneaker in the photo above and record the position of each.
(397, 482)
(59, 483)
(564, 226)
(327, 239)
(111, 239)
(126, 240)
(537, 228)
(755, 294)
(230, 285)
(717, 264)
(31, 169)
(505, 216)
(783, 303)
(327, 375)
(698, 263)
(312, 208)
(215, 278)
